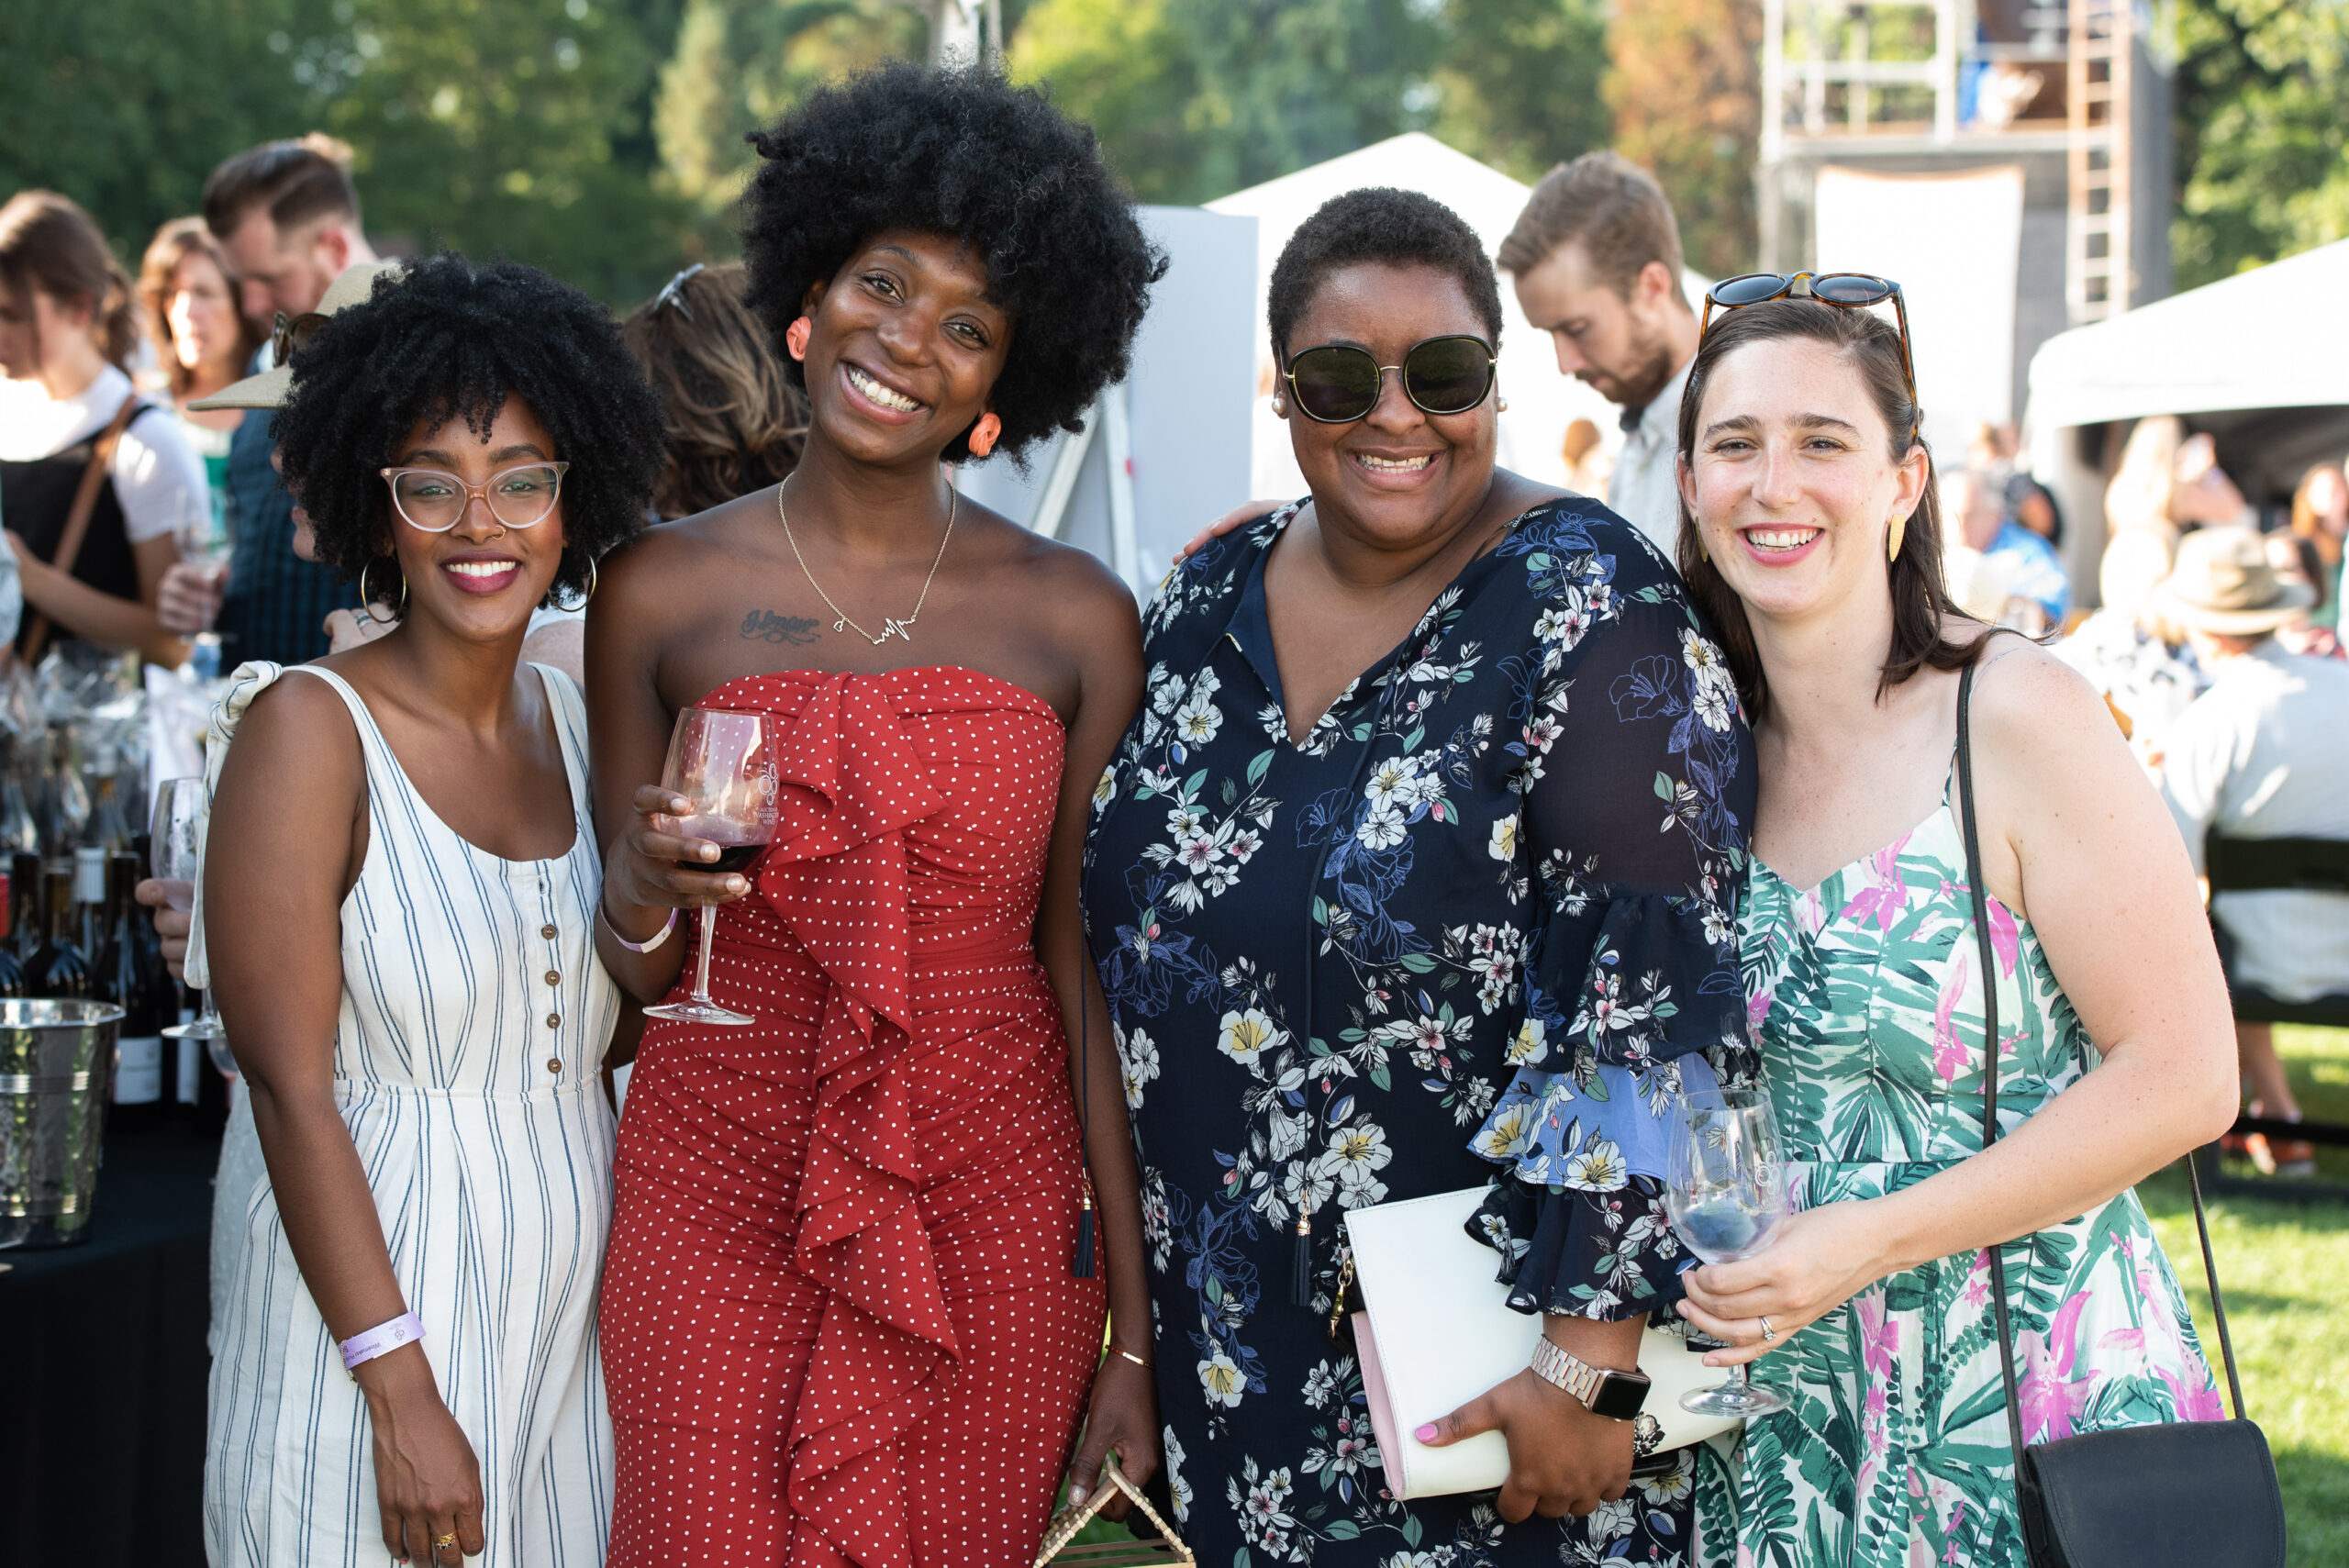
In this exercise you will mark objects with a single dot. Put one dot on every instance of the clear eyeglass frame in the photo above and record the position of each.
(484, 493)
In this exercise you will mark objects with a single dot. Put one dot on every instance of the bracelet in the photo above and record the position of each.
(1131, 1357)
(382, 1338)
(657, 939)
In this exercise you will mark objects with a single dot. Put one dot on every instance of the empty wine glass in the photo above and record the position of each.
(175, 850)
(1725, 1187)
(202, 534)
(722, 763)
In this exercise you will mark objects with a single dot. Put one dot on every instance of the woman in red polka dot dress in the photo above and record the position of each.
(846, 1314)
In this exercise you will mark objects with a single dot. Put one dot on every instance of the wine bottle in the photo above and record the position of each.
(132, 977)
(109, 829)
(59, 973)
(12, 968)
(26, 926)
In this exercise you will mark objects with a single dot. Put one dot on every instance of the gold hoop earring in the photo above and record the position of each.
(1898, 531)
(367, 600)
(574, 609)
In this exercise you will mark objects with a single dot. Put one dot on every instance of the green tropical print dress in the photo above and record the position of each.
(1894, 1451)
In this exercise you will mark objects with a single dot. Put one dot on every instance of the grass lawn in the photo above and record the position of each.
(2284, 1267)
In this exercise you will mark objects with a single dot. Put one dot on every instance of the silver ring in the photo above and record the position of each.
(1769, 1335)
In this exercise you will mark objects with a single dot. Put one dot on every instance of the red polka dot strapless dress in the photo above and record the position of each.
(839, 1322)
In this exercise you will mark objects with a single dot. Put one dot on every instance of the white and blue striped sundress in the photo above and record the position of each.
(474, 1016)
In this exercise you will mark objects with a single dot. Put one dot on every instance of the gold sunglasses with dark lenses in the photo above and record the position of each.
(1848, 290)
(1338, 384)
(293, 332)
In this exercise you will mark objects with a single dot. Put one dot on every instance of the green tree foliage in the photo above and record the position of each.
(126, 105)
(497, 126)
(1519, 82)
(1196, 98)
(1686, 86)
(2263, 132)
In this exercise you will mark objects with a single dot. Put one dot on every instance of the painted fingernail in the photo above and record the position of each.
(706, 852)
(736, 884)
(1426, 1434)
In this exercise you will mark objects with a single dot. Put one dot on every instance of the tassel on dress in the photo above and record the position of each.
(1083, 1267)
(1300, 1274)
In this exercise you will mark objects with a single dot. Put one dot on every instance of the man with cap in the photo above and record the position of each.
(288, 216)
(2260, 754)
(1596, 261)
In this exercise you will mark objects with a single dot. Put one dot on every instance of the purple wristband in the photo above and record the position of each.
(382, 1336)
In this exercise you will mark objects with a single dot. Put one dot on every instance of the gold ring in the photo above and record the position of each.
(442, 1543)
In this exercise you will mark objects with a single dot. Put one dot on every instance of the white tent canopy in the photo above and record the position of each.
(1541, 403)
(2275, 338)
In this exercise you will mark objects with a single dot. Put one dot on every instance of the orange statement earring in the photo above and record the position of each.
(984, 434)
(795, 337)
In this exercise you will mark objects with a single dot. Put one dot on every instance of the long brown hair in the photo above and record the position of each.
(735, 423)
(1921, 605)
(2307, 523)
(49, 243)
(159, 272)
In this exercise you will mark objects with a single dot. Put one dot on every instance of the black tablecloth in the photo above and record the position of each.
(102, 1368)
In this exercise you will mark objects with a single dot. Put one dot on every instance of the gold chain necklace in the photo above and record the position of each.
(901, 629)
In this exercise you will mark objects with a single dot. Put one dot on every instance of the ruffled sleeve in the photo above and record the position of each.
(246, 682)
(1637, 806)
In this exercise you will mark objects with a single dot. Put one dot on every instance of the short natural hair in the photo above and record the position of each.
(735, 421)
(158, 272)
(1613, 208)
(47, 242)
(295, 180)
(441, 338)
(1391, 228)
(1921, 605)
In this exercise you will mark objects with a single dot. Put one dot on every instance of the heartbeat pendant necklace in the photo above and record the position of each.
(903, 631)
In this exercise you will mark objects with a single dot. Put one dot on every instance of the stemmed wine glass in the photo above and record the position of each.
(1725, 1188)
(203, 540)
(174, 854)
(724, 763)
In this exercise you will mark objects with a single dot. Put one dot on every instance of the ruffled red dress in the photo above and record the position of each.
(839, 1321)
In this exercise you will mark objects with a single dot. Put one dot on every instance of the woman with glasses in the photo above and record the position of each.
(1419, 862)
(1809, 533)
(399, 888)
(852, 1313)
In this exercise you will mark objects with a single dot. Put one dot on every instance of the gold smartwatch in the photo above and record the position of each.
(1617, 1395)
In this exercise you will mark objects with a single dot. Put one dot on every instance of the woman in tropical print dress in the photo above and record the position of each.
(1871, 1309)
(1508, 829)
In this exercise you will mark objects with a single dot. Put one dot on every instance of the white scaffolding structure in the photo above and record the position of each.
(1872, 79)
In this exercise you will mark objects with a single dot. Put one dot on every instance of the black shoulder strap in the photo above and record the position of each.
(1990, 1072)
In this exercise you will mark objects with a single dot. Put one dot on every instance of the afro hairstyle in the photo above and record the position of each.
(961, 153)
(1392, 228)
(443, 339)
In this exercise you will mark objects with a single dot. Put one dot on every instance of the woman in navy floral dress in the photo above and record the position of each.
(1472, 927)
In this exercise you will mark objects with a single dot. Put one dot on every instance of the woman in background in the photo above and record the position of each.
(203, 341)
(2320, 515)
(734, 421)
(69, 327)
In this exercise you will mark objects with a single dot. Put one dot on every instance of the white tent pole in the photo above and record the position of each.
(1125, 555)
(1068, 457)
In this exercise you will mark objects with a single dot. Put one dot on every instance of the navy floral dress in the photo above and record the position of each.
(1473, 929)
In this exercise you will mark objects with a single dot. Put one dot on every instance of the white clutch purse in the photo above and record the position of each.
(1437, 1330)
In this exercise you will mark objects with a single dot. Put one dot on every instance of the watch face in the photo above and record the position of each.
(1619, 1396)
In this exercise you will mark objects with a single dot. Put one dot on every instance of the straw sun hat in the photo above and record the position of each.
(267, 390)
(2223, 583)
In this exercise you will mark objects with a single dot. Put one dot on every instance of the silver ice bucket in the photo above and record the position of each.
(56, 1066)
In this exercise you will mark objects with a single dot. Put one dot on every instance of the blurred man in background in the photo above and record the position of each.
(1596, 261)
(287, 214)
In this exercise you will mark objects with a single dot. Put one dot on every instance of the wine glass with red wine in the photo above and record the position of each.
(722, 763)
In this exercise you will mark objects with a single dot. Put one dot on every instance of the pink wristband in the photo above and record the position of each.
(382, 1336)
